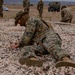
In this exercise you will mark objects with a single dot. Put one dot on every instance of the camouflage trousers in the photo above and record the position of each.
(40, 13)
(52, 44)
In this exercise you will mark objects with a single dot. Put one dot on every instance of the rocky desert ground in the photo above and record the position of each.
(9, 64)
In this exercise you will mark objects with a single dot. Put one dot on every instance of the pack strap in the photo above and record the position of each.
(49, 26)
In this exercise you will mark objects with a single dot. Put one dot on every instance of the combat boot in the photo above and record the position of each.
(31, 62)
(67, 62)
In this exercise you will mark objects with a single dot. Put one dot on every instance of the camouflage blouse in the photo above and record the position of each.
(34, 32)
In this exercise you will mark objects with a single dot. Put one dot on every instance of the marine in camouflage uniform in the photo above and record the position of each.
(26, 5)
(66, 14)
(47, 37)
(1, 8)
(40, 6)
(37, 39)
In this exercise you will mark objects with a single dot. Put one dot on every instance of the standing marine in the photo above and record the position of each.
(1, 8)
(40, 7)
(26, 5)
(39, 39)
(66, 14)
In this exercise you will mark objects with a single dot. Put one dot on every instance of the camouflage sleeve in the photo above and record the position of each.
(64, 15)
(28, 34)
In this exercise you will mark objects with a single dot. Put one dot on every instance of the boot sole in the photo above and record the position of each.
(66, 64)
(30, 62)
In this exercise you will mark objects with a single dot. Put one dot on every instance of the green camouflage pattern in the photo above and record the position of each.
(66, 15)
(40, 6)
(38, 38)
(26, 5)
(1, 8)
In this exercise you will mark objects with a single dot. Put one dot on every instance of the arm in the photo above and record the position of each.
(64, 15)
(28, 34)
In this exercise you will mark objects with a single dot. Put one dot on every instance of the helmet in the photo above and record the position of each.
(18, 16)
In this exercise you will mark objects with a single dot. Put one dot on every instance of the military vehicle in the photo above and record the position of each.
(54, 6)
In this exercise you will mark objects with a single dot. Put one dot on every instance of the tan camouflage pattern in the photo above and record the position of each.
(1, 8)
(40, 6)
(26, 5)
(36, 32)
(66, 15)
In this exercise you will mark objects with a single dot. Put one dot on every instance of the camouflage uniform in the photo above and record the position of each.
(40, 8)
(26, 5)
(1, 8)
(39, 38)
(66, 15)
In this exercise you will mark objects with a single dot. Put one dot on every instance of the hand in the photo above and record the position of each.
(14, 45)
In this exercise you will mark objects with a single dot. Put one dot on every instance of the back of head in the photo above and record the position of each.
(63, 7)
(18, 16)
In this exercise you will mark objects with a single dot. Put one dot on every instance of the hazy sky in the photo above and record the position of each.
(60, 0)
